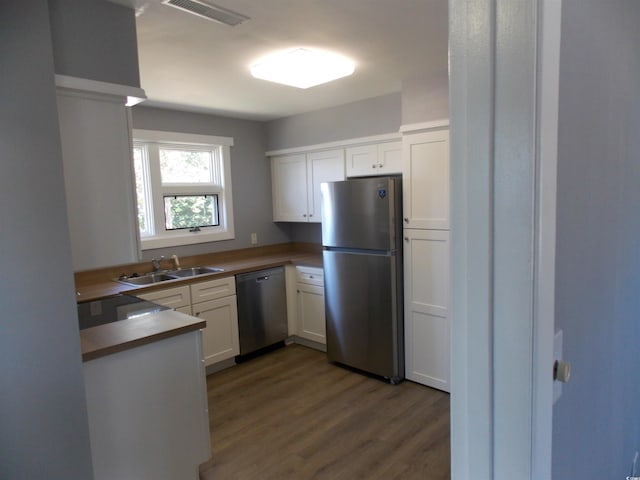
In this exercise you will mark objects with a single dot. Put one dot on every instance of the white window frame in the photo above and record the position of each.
(152, 140)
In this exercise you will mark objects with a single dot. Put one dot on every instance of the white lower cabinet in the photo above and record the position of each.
(220, 339)
(311, 321)
(178, 298)
(213, 301)
(426, 291)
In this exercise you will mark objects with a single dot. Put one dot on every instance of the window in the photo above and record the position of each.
(183, 188)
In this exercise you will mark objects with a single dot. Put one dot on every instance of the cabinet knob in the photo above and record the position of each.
(406, 239)
(298, 291)
(304, 215)
(310, 276)
(406, 219)
(373, 166)
(197, 314)
(311, 214)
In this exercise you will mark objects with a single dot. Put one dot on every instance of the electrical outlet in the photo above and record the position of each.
(254, 238)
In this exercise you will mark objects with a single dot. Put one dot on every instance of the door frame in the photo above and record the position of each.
(504, 61)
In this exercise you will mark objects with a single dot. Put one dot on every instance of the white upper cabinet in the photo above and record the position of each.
(99, 186)
(425, 181)
(322, 167)
(374, 159)
(296, 183)
(289, 188)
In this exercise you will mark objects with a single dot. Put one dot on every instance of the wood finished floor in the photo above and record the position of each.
(291, 415)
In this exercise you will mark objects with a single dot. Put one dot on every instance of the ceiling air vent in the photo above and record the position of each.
(208, 11)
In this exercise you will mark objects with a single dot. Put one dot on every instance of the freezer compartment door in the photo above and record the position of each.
(361, 213)
(363, 306)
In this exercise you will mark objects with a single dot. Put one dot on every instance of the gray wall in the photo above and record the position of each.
(426, 98)
(43, 419)
(373, 116)
(95, 39)
(596, 426)
(250, 176)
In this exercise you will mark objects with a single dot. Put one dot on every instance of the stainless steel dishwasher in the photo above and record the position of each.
(262, 309)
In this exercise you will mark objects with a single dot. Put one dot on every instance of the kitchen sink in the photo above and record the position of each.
(194, 271)
(147, 279)
(155, 277)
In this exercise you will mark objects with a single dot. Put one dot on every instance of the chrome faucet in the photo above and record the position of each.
(156, 263)
(176, 261)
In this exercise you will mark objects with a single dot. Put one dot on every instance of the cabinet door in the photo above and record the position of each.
(289, 188)
(311, 321)
(374, 159)
(220, 338)
(426, 290)
(389, 158)
(177, 298)
(322, 167)
(425, 180)
(99, 187)
(362, 160)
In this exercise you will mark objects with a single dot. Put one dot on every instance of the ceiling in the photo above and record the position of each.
(190, 63)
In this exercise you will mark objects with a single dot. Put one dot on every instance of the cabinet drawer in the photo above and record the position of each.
(310, 276)
(176, 297)
(213, 289)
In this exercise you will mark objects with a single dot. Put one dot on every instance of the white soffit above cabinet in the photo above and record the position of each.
(191, 63)
(133, 95)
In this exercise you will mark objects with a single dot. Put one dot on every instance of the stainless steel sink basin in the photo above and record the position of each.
(194, 271)
(147, 279)
(155, 277)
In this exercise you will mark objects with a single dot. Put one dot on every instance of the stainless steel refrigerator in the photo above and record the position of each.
(362, 259)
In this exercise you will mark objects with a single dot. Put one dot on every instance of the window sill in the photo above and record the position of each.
(175, 240)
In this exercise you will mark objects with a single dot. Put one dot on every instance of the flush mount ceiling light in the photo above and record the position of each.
(302, 67)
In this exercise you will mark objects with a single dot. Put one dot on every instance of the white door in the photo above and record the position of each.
(310, 313)
(322, 167)
(389, 158)
(425, 180)
(362, 160)
(426, 316)
(289, 189)
(220, 339)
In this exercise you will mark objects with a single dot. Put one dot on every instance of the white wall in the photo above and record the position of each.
(43, 418)
(596, 425)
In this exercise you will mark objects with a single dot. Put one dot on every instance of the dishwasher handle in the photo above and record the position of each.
(262, 279)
